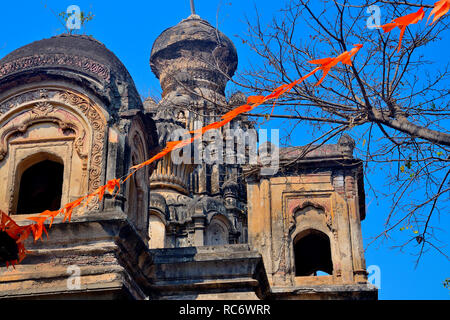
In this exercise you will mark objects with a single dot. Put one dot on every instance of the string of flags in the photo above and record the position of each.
(20, 233)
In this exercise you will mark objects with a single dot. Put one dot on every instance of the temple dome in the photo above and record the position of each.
(195, 53)
(71, 55)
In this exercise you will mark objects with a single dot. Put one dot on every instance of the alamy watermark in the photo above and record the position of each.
(74, 280)
(74, 17)
(229, 146)
(373, 22)
(374, 276)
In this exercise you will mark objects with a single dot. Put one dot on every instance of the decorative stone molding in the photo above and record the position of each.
(43, 112)
(158, 204)
(45, 102)
(168, 175)
(137, 193)
(60, 60)
(322, 203)
(98, 125)
(346, 145)
(27, 154)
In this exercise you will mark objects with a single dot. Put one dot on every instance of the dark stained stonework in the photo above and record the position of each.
(198, 35)
(66, 50)
(62, 60)
(78, 58)
(192, 53)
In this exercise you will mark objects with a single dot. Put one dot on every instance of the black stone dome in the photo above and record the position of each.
(70, 56)
(67, 51)
(194, 34)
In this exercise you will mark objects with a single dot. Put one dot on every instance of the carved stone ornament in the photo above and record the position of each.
(322, 204)
(48, 60)
(43, 112)
(45, 109)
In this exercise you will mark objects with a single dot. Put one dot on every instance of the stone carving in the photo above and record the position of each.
(346, 144)
(44, 110)
(158, 203)
(78, 62)
(23, 98)
(98, 126)
(321, 204)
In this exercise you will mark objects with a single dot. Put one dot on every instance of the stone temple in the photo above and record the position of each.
(71, 119)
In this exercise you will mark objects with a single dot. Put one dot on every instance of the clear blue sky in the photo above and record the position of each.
(128, 28)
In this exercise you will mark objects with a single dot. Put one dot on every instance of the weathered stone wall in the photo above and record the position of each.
(326, 200)
(87, 247)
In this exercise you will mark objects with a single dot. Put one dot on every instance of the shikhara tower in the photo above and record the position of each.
(190, 230)
(199, 203)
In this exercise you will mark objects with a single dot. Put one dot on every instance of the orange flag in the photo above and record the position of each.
(403, 22)
(17, 233)
(440, 9)
(38, 227)
(50, 214)
(328, 63)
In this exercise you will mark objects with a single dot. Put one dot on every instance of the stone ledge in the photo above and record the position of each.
(207, 269)
(203, 253)
(58, 285)
(344, 291)
(92, 216)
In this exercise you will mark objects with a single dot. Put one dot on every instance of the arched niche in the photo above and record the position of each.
(137, 193)
(218, 231)
(313, 246)
(43, 169)
(156, 230)
(52, 121)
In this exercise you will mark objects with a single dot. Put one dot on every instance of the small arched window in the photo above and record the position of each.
(40, 187)
(312, 253)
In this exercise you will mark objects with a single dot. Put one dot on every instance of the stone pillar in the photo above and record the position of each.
(259, 221)
(201, 188)
(359, 265)
(344, 244)
(199, 230)
(116, 147)
(215, 179)
(199, 221)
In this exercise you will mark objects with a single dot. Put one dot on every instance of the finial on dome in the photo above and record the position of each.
(192, 7)
(193, 14)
